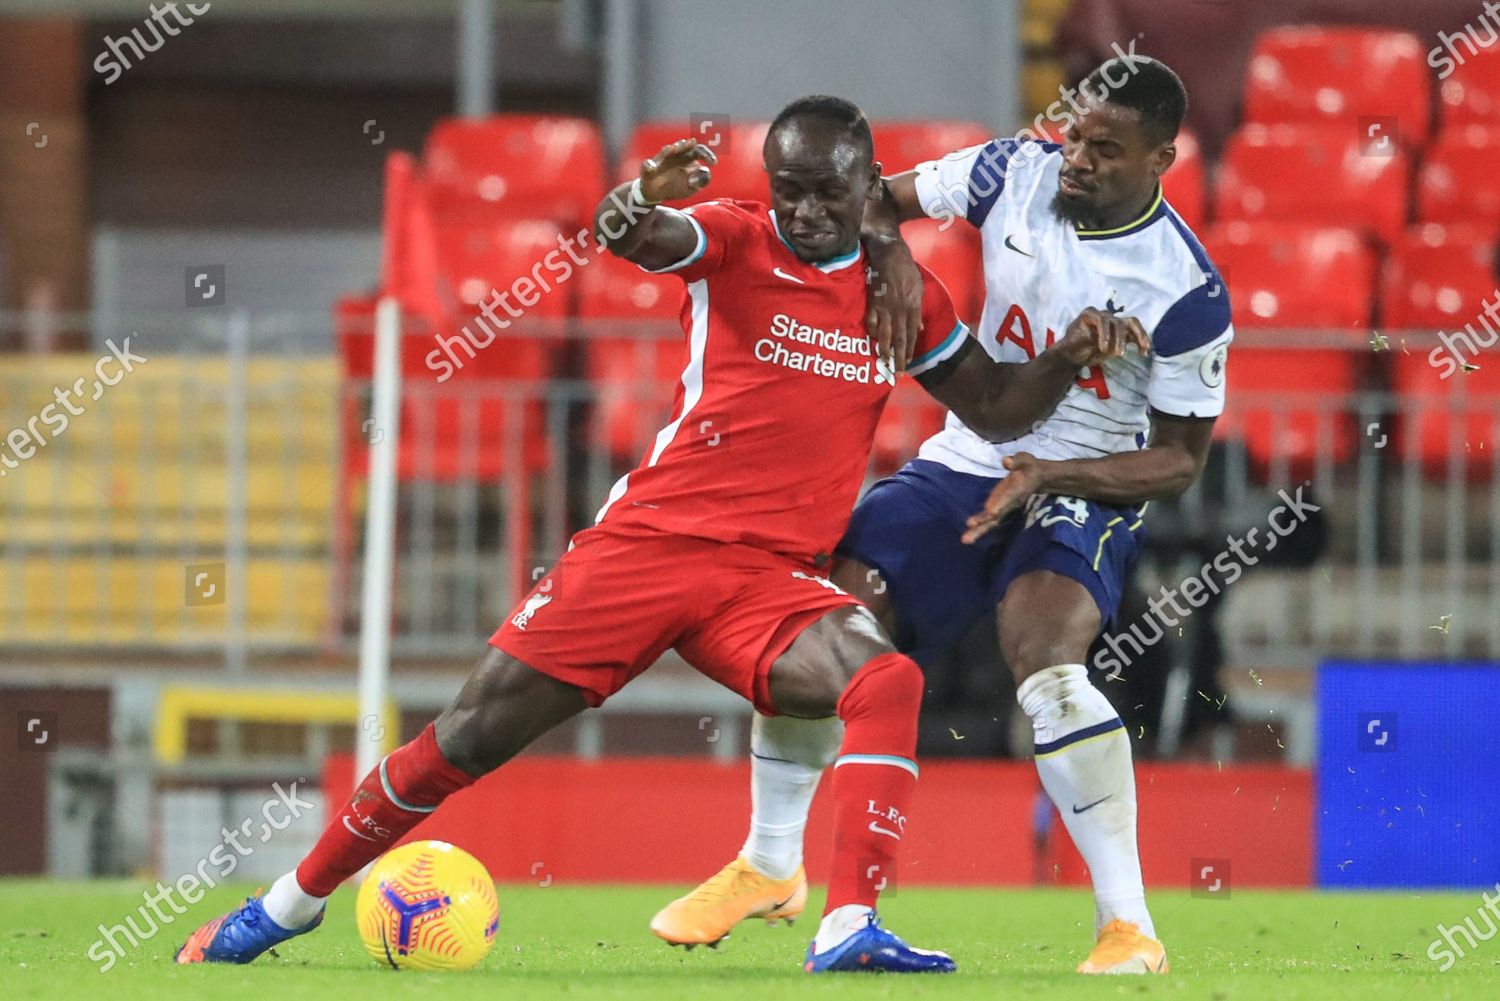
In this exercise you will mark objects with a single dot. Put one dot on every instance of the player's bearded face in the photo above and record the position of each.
(818, 192)
(1107, 169)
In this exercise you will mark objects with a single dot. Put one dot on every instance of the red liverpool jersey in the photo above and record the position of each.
(776, 410)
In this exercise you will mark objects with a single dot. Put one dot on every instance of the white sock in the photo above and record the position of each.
(289, 905)
(1083, 757)
(838, 924)
(787, 759)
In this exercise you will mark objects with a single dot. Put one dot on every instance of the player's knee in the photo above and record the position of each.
(889, 683)
(1028, 655)
(474, 733)
(813, 743)
(821, 693)
(1046, 622)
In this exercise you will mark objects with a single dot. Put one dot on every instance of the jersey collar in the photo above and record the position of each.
(1153, 212)
(828, 266)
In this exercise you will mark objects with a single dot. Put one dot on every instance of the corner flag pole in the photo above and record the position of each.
(383, 432)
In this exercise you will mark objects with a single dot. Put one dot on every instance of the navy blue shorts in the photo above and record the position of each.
(909, 527)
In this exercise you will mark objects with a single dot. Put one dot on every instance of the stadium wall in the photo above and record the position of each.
(677, 820)
(956, 60)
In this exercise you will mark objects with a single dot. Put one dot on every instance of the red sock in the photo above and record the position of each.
(396, 796)
(873, 777)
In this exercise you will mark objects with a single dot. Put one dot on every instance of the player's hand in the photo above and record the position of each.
(1025, 477)
(678, 171)
(1096, 336)
(893, 315)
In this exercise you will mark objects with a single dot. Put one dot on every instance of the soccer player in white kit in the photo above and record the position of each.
(944, 541)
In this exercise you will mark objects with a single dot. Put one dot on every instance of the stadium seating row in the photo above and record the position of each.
(101, 523)
(140, 600)
(1304, 173)
(1330, 76)
(1352, 108)
(541, 167)
(1288, 172)
(1280, 274)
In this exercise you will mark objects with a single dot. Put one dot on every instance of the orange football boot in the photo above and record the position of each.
(1123, 949)
(736, 892)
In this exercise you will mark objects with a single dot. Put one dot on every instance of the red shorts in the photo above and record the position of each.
(620, 599)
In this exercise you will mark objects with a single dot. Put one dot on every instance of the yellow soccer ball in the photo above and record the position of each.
(428, 906)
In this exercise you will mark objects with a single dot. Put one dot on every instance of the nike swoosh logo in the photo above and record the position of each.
(354, 832)
(1012, 246)
(791, 278)
(881, 830)
(1083, 809)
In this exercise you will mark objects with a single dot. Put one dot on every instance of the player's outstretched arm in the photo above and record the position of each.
(1003, 400)
(631, 223)
(1167, 467)
(894, 315)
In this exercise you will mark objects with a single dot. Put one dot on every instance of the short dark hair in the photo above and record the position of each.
(1150, 87)
(835, 111)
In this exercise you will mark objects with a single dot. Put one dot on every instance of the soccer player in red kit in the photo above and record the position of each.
(718, 544)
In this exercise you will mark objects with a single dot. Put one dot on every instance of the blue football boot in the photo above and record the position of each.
(872, 949)
(239, 936)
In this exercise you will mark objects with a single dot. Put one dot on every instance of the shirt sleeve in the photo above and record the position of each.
(942, 332)
(1190, 353)
(718, 225)
(966, 183)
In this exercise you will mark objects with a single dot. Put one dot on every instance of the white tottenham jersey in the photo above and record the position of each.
(1041, 272)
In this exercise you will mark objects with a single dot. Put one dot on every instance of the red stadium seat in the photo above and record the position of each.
(1299, 404)
(1470, 94)
(635, 364)
(1458, 182)
(454, 414)
(1308, 175)
(611, 288)
(1289, 276)
(900, 146)
(1437, 276)
(953, 255)
(1185, 183)
(740, 172)
(1441, 417)
(1341, 76)
(509, 257)
(524, 166)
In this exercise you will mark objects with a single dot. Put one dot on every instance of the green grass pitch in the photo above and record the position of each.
(589, 942)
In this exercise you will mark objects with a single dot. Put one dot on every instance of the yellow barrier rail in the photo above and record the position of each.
(178, 705)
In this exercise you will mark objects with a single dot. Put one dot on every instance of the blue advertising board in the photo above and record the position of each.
(1408, 791)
